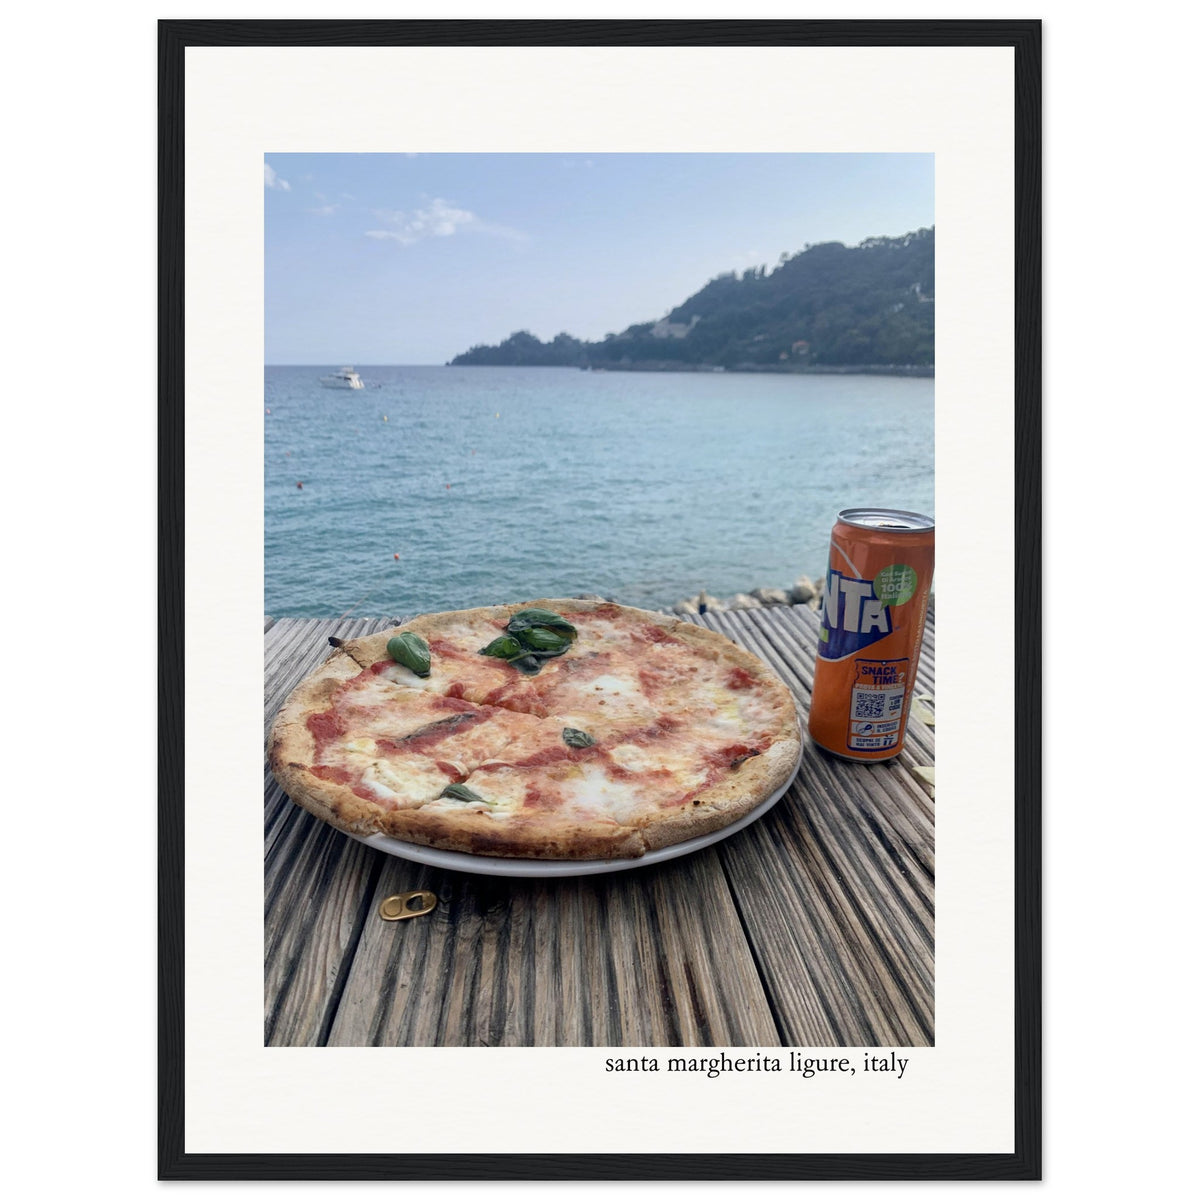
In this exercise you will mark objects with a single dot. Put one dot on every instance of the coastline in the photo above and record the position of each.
(904, 369)
(803, 592)
(912, 371)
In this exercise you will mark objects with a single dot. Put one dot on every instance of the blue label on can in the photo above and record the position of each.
(853, 617)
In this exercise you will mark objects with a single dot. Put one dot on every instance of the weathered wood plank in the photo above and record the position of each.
(315, 910)
(653, 956)
(316, 882)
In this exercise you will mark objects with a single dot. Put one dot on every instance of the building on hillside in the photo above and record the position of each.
(672, 329)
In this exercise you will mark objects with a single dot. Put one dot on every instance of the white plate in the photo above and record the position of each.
(534, 868)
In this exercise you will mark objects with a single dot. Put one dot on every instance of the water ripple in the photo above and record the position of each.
(641, 486)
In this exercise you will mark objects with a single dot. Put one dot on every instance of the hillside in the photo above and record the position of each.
(829, 306)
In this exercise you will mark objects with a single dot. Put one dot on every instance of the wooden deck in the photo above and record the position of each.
(812, 927)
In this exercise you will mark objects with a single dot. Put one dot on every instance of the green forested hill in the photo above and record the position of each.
(828, 306)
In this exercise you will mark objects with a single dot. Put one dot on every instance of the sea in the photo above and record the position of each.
(450, 487)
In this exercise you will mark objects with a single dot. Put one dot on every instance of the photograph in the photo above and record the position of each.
(598, 589)
(556, 422)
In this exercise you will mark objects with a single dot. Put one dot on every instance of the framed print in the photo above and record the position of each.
(513, 375)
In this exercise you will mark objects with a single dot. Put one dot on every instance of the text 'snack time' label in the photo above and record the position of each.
(877, 704)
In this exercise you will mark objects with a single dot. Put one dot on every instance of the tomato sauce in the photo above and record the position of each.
(557, 754)
(739, 679)
(655, 635)
(325, 726)
(734, 755)
(536, 797)
(430, 735)
(331, 774)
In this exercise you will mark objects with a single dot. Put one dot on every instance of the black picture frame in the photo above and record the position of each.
(1024, 1163)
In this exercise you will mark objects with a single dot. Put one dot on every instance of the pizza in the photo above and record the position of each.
(558, 729)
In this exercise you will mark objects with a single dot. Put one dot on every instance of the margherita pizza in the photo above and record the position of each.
(559, 729)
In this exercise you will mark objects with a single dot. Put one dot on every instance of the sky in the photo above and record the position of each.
(414, 258)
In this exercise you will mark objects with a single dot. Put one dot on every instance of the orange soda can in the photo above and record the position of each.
(872, 620)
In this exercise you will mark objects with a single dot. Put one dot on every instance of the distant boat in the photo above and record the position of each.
(347, 377)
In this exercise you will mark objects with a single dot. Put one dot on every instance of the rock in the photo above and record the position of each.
(743, 600)
(771, 595)
(685, 608)
(802, 591)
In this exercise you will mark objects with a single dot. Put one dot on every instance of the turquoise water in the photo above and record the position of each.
(495, 484)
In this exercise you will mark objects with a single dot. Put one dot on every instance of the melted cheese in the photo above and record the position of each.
(502, 792)
(600, 703)
(399, 674)
(409, 784)
(681, 758)
(591, 792)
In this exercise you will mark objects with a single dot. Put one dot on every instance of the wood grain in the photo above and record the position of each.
(813, 927)
(622, 960)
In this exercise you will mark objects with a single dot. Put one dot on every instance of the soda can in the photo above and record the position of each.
(872, 620)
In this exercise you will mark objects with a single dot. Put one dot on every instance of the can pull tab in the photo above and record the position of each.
(407, 904)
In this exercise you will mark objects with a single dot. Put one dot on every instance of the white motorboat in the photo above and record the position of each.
(347, 377)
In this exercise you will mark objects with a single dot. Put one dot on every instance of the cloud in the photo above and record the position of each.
(273, 180)
(438, 218)
(326, 210)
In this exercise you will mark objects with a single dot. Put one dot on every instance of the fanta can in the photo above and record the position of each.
(872, 619)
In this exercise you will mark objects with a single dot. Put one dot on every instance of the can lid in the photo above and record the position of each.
(896, 519)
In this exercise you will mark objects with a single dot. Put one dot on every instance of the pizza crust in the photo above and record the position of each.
(730, 800)
(534, 833)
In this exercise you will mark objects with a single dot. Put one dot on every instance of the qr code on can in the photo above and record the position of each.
(868, 704)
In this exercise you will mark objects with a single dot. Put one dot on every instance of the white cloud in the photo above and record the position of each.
(438, 218)
(325, 210)
(273, 180)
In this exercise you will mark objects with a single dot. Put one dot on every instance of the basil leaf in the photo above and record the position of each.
(410, 651)
(530, 618)
(577, 739)
(505, 646)
(460, 791)
(545, 640)
(527, 664)
(534, 634)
